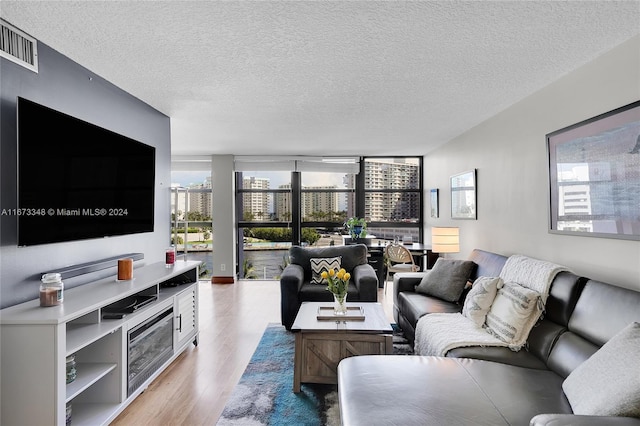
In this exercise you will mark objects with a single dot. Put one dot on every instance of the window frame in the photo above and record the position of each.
(296, 222)
(361, 196)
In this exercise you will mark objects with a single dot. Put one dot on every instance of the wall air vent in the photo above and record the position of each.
(18, 47)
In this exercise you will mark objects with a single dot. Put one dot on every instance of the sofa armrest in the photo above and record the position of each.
(572, 419)
(292, 278)
(405, 281)
(291, 281)
(366, 281)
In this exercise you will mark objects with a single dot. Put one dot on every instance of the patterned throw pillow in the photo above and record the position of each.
(319, 264)
(479, 299)
(513, 314)
(607, 383)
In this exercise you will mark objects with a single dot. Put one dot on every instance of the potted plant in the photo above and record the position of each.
(357, 227)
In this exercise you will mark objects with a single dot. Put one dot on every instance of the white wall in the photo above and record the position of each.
(509, 153)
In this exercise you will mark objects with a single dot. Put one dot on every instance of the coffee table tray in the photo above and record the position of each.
(354, 313)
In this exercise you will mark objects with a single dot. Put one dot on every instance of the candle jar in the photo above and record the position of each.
(170, 257)
(125, 269)
(51, 290)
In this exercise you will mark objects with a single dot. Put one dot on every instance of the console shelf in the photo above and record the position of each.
(88, 374)
(93, 413)
(80, 335)
(35, 342)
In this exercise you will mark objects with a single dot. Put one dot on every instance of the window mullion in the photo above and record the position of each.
(296, 199)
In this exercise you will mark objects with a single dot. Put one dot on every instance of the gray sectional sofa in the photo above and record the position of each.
(494, 385)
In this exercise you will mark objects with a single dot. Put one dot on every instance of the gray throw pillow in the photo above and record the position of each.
(607, 384)
(446, 279)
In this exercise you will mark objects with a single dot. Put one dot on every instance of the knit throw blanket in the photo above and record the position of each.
(531, 273)
(438, 333)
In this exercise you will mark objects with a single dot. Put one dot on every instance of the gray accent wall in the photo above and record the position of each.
(66, 86)
(509, 152)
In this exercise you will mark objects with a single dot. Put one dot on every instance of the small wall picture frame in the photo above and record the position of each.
(433, 197)
(463, 195)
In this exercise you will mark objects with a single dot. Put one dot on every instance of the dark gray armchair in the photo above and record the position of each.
(295, 281)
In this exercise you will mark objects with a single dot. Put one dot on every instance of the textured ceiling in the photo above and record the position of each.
(332, 78)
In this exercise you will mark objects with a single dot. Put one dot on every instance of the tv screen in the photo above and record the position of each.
(79, 181)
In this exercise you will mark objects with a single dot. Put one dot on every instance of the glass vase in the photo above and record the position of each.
(340, 304)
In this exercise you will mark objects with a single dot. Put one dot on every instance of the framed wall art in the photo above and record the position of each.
(434, 202)
(463, 195)
(594, 176)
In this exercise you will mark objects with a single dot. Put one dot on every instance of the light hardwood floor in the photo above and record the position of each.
(195, 387)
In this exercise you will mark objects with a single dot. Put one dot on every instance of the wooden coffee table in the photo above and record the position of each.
(322, 344)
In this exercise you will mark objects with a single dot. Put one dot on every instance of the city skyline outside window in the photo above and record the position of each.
(388, 195)
(191, 221)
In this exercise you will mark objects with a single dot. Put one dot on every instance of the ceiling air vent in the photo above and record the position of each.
(18, 47)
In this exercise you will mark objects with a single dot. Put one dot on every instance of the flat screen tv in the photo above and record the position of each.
(79, 181)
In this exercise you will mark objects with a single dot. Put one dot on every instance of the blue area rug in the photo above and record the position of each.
(264, 395)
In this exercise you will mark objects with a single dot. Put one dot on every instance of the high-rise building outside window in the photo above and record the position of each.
(281, 208)
(191, 221)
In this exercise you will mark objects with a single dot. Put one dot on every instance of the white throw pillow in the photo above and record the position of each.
(319, 264)
(608, 383)
(513, 313)
(480, 298)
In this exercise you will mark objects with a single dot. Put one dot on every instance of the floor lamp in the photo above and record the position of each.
(445, 240)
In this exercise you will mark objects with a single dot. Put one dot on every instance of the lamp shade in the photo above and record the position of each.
(445, 240)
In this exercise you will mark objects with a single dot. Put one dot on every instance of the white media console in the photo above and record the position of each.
(35, 342)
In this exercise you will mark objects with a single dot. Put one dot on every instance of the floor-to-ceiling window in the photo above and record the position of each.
(308, 203)
(327, 201)
(191, 218)
(392, 197)
(264, 216)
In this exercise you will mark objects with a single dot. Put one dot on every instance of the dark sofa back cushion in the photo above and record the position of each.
(563, 296)
(602, 310)
(570, 351)
(488, 264)
(352, 256)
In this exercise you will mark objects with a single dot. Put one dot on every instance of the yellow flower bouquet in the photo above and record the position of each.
(337, 284)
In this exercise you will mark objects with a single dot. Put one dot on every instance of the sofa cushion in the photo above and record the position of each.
(352, 256)
(480, 298)
(592, 317)
(607, 383)
(513, 313)
(319, 293)
(319, 264)
(404, 390)
(498, 354)
(563, 297)
(446, 279)
(487, 264)
(414, 306)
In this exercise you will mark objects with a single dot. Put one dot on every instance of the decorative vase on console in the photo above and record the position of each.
(337, 284)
